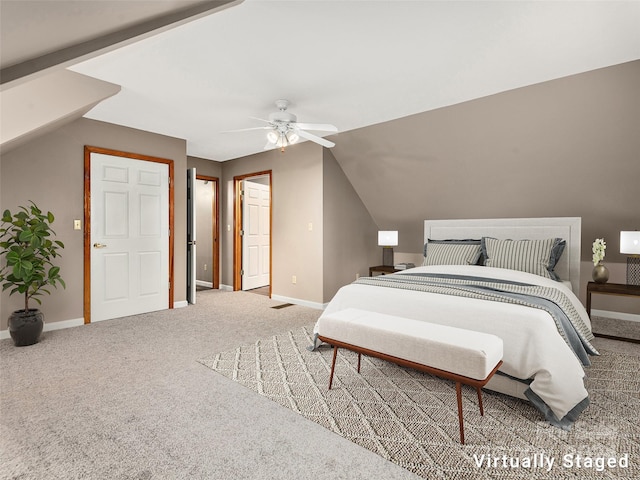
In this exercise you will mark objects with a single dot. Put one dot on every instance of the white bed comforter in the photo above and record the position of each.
(533, 348)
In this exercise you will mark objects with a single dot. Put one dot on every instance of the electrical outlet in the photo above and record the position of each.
(357, 276)
(310, 226)
(293, 279)
(205, 267)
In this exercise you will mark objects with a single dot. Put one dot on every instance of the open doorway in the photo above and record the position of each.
(252, 238)
(207, 270)
(203, 272)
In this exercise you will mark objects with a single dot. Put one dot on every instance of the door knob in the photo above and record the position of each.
(99, 245)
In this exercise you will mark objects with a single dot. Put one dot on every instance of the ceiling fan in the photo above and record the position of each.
(284, 129)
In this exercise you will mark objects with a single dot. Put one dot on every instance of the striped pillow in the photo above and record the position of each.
(451, 252)
(534, 256)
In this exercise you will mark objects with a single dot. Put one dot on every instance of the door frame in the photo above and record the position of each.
(215, 211)
(88, 150)
(237, 227)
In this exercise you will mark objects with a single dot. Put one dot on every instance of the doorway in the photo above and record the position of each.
(202, 234)
(207, 263)
(252, 232)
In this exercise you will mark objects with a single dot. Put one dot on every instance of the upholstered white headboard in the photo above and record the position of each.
(567, 228)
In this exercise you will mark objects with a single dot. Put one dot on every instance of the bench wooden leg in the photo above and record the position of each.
(359, 357)
(333, 365)
(459, 395)
(479, 390)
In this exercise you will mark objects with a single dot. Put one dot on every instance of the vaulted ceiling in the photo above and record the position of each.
(195, 69)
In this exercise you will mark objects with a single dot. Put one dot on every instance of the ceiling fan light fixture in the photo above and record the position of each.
(293, 138)
(273, 137)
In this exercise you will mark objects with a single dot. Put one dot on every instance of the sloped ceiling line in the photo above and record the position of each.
(110, 41)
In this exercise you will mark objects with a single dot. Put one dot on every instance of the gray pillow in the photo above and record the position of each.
(451, 252)
(533, 256)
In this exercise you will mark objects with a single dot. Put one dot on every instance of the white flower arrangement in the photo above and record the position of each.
(599, 246)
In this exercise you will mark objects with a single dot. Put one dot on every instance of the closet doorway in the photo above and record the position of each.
(252, 227)
(203, 234)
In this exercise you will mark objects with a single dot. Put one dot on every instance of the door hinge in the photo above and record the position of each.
(241, 272)
(241, 233)
(169, 285)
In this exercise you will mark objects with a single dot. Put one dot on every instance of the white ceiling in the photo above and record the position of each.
(349, 63)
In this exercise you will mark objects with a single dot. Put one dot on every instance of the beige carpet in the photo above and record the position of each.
(410, 418)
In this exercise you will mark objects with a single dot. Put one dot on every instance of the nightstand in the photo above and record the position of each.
(382, 269)
(611, 289)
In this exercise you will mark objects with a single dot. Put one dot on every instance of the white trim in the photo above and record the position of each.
(296, 301)
(226, 288)
(631, 317)
(179, 304)
(202, 283)
(48, 327)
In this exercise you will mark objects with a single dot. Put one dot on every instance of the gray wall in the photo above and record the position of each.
(349, 236)
(568, 147)
(309, 189)
(49, 171)
(296, 202)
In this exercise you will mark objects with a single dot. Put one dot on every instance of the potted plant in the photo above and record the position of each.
(28, 248)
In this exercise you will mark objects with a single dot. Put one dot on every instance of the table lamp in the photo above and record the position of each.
(630, 245)
(387, 240)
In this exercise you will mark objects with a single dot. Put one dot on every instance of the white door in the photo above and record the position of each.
(256, 235)
(191, 235)
(129, 236)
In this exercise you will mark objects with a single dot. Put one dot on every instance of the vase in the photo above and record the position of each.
(600, 273)
(25, 326)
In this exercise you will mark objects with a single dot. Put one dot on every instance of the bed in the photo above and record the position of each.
(534, 309)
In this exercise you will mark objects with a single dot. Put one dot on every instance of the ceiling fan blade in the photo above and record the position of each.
(247, 129)
(261, 119)
(315, 138)
(321, 127)
(269, 146)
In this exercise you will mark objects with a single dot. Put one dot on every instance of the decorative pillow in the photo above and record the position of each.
(451, 252)
(533, 256)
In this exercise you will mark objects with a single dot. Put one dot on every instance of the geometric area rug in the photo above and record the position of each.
(410, 418)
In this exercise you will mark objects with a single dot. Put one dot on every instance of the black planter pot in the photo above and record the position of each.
(25, 326)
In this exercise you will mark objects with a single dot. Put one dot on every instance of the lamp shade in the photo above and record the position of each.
(630, 243)
(387, 238)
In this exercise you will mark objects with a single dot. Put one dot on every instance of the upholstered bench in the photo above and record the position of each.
(464, 356)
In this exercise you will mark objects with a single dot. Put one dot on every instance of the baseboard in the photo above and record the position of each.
(180, 304)
(202, 283)
(631, 317)
(226, 288)
(296, 301)
(48, 327)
